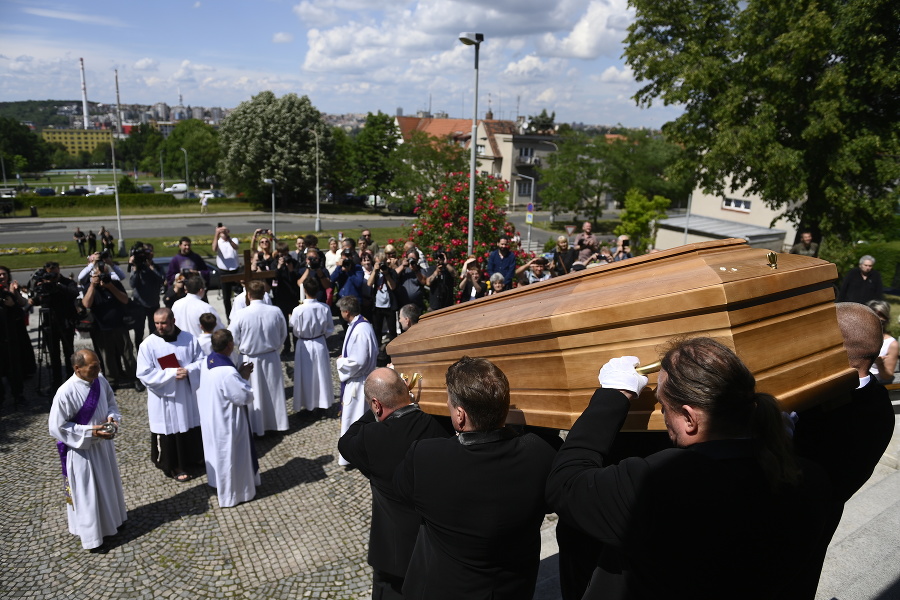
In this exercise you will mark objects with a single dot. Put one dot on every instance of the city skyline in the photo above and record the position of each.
(347, 57)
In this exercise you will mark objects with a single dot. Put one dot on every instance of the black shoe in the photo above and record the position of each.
(138, 386)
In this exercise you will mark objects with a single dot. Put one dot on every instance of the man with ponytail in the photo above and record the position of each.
(723, 514)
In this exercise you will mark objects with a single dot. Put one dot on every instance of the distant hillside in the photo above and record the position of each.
(40, 112)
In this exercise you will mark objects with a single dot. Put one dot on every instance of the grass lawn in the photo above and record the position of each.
(167, 246)
(186, 207)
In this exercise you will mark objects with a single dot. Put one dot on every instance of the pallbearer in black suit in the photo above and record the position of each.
(480, 495)
(728, 513)
(376, 444)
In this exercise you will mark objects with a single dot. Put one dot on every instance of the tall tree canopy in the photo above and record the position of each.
(200, 141)
(373, 155)
(22, 150)
(272, 138)
(796, 100)
(423, 162)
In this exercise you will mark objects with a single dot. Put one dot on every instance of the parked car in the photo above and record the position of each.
(45, 191)
(102, 190)
(349, 199)
(375, 202)
(79, 191)
(191, 196)
(213, 194)
(176, 188)
(147, 189)
(215, 278)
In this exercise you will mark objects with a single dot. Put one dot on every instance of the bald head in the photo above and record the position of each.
(386, 386)
(862, 333)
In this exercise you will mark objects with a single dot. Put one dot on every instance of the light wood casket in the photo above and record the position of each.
(550, 339)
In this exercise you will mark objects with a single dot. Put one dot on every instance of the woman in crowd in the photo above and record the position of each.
(563, 257)
(471, 286)
(496, 284)
(332, 255)
(262, 257)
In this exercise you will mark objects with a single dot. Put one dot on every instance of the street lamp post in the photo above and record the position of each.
(162, 173)
(473, 39)
(318, 219)
(187, 182)
(533, 182)
(272, 182)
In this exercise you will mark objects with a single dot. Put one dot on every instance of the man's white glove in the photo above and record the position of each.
(619, 374)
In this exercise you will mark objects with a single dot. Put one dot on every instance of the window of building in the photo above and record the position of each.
(526, 152)
(479, 149)
(524, 187)
(736, 204)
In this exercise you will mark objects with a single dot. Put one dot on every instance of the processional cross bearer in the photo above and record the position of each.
(248, 274)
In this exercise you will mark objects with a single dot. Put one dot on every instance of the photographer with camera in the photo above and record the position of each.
(107, 299)
(441, 282)
(348, 276)
(285, 290)
(313, 268)
(84, 278)
(55, 295)
(623, 248)
(382, 282)
(225, 248)
(411, 281)
(146, 282)
(15, 347)
(471, 286)
(264, 244)
(187, 262)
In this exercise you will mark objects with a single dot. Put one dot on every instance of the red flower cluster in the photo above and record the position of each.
(442, 219)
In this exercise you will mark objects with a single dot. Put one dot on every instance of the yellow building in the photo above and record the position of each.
(76, 140)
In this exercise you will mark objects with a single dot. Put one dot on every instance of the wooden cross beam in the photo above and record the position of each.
(248, 274)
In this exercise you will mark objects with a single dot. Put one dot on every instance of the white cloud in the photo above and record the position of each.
(614, 75)
(187, 70)
(77, 17)
(196, 4)
(600, 31)
(316, 15)
(146, 64)
(532, 68)
(282, 38)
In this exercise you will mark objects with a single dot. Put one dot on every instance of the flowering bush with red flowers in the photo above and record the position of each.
(442, 221)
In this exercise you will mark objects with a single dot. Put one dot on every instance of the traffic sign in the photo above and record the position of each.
(570, 229)
(530, 207)
(529, 217)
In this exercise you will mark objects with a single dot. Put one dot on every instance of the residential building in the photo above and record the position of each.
(77, 140)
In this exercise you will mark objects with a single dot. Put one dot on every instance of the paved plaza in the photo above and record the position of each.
(303, 536)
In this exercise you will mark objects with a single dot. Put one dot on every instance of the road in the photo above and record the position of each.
(42, 231)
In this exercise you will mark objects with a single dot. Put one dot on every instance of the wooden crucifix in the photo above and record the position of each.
(248, 273)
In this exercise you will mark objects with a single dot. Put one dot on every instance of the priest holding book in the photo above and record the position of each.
(169, 364)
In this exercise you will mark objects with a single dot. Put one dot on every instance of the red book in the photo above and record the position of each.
(170, 361)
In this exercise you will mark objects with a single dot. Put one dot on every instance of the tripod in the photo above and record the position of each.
(45, 323)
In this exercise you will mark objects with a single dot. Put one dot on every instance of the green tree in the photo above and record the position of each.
(373, 155)
(18, 140)
(572, 177)
(794, 100)
(141, 148)
(542, 123)
(341, 174)
(126, 185)
(202, 145)
(643, 161)
(639, 219)
(271, 138)
(423, 162)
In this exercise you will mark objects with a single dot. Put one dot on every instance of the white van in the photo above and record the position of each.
(177, 188)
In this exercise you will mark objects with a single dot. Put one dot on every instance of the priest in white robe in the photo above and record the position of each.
(224, 399)
(357, 360)
(259, 332)
(312, 323)
(168, 364)
(187, 310)
(96, 501)
(240, 303)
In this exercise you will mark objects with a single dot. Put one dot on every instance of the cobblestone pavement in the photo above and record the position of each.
(303, 536)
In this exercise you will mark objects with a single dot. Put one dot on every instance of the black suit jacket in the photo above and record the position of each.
(376, 448)
(481, 498)
(694, 523)
(847, 441)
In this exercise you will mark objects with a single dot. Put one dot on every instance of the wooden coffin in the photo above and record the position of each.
(552, 338)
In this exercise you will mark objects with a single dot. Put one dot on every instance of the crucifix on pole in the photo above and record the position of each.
(248, 275)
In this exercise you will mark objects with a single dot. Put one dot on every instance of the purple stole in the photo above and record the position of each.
(220, 360)
(356, 322)
(83, 417)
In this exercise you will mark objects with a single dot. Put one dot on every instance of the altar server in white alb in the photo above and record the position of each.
(312, 323)
(224, 399)
(187, 310)
(240, 301)
(357, 360)
(168, 364)
(81, 407)
(259, 331)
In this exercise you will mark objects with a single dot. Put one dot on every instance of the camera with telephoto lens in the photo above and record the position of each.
(139, 255)
(104, 276)
(43, 283)
(313, 263)
(439, 256)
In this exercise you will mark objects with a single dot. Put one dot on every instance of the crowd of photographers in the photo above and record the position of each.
(383, 279)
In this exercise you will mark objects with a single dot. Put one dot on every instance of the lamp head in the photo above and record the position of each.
(471, 39)
(270, 181)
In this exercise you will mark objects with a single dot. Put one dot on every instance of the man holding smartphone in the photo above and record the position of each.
(623, 248)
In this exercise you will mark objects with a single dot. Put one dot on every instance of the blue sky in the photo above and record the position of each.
(348, 56)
